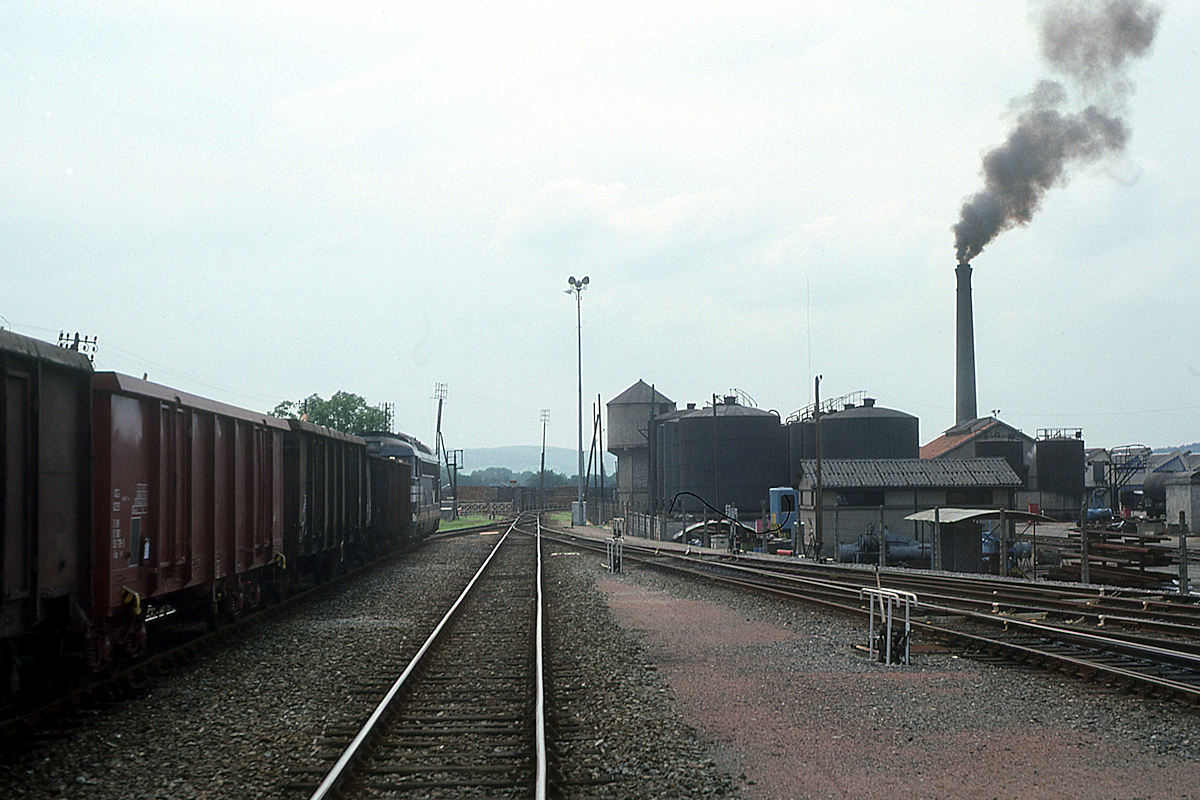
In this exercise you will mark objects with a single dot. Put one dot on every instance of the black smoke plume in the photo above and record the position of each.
(1091, 43)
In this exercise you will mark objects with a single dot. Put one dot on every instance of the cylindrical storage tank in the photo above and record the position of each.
(737, 469)
(800, 439)
(1059, 465)
(868, 431)
(1155, 486)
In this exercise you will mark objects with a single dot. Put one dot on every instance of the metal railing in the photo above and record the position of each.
(887, 600)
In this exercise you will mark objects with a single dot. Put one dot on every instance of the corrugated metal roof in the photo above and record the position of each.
(903, 473)
(951, 515)
(952, 440)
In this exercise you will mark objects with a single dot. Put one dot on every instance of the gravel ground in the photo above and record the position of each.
(630, 725)
(675, 690)
(237, 722)
(248, 720)
(798, 712)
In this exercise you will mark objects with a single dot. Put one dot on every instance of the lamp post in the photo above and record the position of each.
(542, 475)
(579, 517)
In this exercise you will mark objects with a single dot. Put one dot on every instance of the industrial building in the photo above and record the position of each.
(1182, 497)
(1135, 477)
(1051, 466)
(861, 497)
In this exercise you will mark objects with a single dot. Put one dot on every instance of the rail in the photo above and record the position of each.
(353, 755)
(1164, 666)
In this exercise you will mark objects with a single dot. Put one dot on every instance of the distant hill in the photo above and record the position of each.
(1194, 447)
(522, 458)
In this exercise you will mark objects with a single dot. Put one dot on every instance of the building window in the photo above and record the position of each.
(968, 497)
(860, 497)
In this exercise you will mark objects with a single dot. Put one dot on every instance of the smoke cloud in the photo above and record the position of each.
(1090, 43)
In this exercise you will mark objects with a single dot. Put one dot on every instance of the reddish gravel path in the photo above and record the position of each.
(800, 714)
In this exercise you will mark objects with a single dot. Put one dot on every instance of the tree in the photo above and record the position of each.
(345, 412)
(552, 479)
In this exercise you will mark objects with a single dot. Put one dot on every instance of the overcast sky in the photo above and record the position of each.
(256, 202)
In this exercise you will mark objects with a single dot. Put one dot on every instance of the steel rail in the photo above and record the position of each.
(954, 604)
(982, 591)
(541, 776)
(752, 579)
(450, 534)
(1164, 613)
(343, 768)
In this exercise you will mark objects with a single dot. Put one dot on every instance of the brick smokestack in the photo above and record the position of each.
(964, 397)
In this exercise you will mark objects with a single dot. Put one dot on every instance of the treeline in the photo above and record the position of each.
(503, 476)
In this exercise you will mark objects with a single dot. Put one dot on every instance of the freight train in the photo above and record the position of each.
(122, 498)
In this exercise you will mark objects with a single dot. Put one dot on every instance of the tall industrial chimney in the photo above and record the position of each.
(964, 398)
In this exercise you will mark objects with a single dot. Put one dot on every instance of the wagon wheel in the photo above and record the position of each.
(97, 649)
(131, 638)
(252, 594)
(232, 605)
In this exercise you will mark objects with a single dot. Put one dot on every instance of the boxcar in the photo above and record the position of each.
(187, 506)
(326, 500)
(391, 503)
(45, 463)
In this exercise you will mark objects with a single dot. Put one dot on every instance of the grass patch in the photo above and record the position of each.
(465, 522)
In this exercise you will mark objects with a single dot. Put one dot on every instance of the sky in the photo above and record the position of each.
(255, 202)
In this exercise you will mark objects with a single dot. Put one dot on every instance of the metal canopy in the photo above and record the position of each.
(952, 515)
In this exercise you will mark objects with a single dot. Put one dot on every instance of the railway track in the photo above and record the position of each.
(466, 716)
(1138, 642)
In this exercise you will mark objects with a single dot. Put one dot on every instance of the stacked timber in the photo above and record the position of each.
(1117, 558)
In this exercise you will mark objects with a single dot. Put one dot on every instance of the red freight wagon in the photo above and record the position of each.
(326, 499)
(45, 505)
(188, 504)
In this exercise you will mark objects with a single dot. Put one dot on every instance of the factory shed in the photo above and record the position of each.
(860, 497)
(982, 438)
(1183, 498)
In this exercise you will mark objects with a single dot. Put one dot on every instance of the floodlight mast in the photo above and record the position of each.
(577, 286)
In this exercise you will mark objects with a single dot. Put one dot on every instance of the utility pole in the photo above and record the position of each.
(818, 500)
(716, 485)
(458, 464)
(542, 473)
(651, 457)
(80, 344)
(439, 395)
(600, 448)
